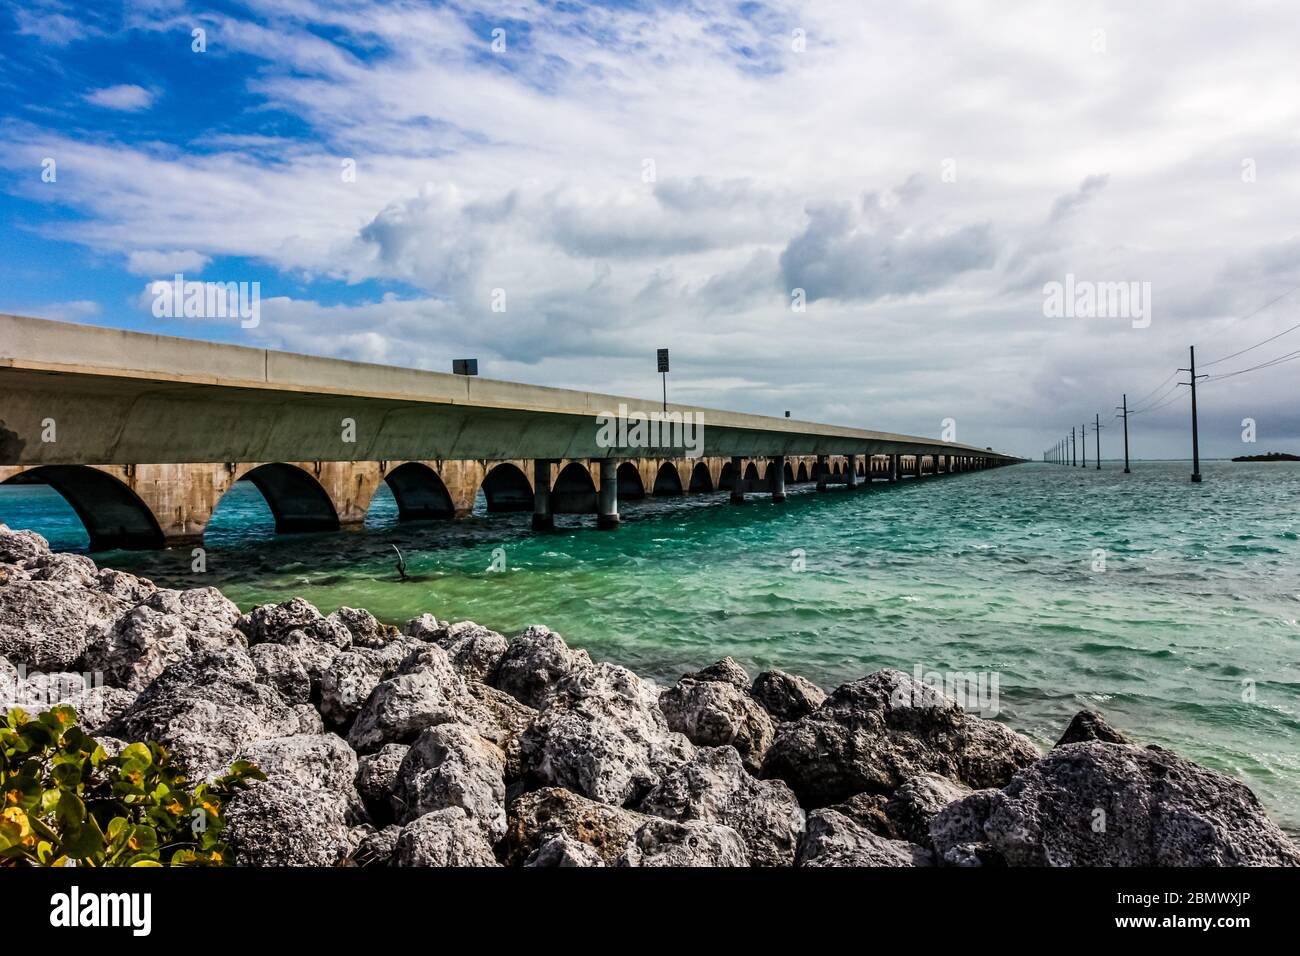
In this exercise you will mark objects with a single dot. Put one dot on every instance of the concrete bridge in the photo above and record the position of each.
(143, 434)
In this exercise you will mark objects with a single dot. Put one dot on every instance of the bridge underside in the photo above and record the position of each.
(155, 505)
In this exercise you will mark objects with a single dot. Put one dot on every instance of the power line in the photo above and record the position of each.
(1248, 315)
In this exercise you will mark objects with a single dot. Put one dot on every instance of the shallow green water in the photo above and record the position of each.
(989, 572)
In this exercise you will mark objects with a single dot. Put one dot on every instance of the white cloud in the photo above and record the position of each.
(125, 96)
(165, 263)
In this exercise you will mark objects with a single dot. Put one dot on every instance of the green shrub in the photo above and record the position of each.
(63, 798)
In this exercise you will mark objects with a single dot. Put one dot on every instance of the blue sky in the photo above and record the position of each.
(635, 175)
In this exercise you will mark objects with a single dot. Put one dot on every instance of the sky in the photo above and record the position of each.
(854, 211)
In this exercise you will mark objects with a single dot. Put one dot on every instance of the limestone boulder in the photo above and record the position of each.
(446, 837)
(834, 840)
(717, 713)
(786, 696)
(534, 662)
(450, 765)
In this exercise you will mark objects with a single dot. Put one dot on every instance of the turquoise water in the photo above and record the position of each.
(987, 572)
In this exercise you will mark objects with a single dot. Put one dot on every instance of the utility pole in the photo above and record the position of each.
(1123, 410)
(1196, 446)
(1074, 452)
(1083, 440)
(1097, 426)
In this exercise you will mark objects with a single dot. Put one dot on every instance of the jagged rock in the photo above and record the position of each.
(166, 627)
(918, 801)
(205, 709)
(280, 667)
(377, 780)
(277, 622)
(713, 786)
(350, 679)
(316, 762)
(868, 810)
(309, 721)
(833, 839)
(123, 587)
(75, 569)
(1090, 725)
(473, 649)
(602, 734)
(503, 722)
(1104, 804)
(48, 625)
(534, 662)
(98, 706)
(364, 627)
(452, 766)
(540, 816)
(957, 831)
(424, 691)
(715, 713)
(726, 670)
(564, 851)
(16, 546)
(786, 696)
(695, 843)
(376, 847)
(444, 837)
(874, 733)
(271, 825)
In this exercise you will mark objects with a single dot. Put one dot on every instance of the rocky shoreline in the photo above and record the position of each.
(448, 745)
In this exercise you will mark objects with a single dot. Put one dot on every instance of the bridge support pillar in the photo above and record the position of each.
(607, 500)
(738, 485)
(543, 520)
(778, 479)
(852, 470)
(895, 468)
(823, 468)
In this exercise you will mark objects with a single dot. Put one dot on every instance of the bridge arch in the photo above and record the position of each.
(803, 472)
(419, 491)
(507, 488)
(296, 498)
(729, 476)
(630, 486)
(789, 474)
(701, 480)
(751, 472)
(574, 492)
(114, 516)
(668, 481)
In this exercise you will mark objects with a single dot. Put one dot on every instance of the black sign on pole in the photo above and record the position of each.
(663, 360)
(464, 366)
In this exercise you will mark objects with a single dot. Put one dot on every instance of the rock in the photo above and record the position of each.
(98, 706)
(276, 622)
(503, 722)
(1105, 804)
(376, 847)
(166, 627)
(124, 587)
(695, 843)
(205, 709)
(349, 680)
(874, 733)
(540, 816)
(601, 734)
(786, 696)
(364, 627)
(74, 569)
(48, 625)
(279, 667)
(715, 788)
(564, 851)
(16, 546)
(474, 650)
(726, 670)
(377, 780)
(318, 762)
(1090, 725)
(868, 810)
(452, 766)
(918, 801)
(425, 691)
(316, 657)
(957, 831)
(534, 662)
(443, 838)
(717, 713)
(833, 839)
(309, 721)
(271, 825)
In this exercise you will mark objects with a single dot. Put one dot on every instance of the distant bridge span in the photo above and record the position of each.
(144, 433)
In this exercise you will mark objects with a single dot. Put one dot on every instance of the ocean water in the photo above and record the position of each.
(1170, 607)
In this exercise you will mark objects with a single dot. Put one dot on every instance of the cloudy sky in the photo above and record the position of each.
(636, 175)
